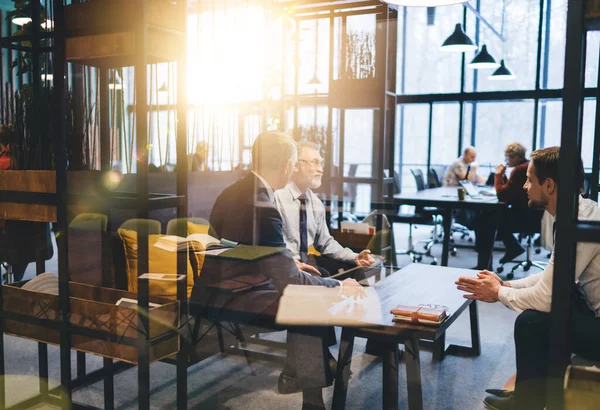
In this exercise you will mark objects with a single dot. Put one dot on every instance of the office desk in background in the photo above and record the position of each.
(446, 199)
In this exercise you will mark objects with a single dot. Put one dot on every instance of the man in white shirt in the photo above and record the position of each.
(463, 168)
(303, 216)
(533, 295)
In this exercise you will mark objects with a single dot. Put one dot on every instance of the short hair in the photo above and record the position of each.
(302, 145)
(515, 149)
(545, 161)
(272, 150)
(469, 148)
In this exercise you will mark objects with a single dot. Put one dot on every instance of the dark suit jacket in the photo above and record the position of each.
(243, 213)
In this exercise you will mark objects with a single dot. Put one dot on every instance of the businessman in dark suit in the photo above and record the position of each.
(245, 212)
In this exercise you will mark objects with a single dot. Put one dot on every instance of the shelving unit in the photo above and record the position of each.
(138, 33)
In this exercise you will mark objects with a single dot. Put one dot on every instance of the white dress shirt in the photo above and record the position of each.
(288, 204)
(535, 291)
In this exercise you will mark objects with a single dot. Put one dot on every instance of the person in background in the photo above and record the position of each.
(510, 191)
(532, 296)
(199, 160)
(304, 222)
(464, 168)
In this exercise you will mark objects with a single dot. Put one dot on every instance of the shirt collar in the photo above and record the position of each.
(295, 191)
(267, 187)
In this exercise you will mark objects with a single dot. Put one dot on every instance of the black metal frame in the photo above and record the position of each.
(142, 201)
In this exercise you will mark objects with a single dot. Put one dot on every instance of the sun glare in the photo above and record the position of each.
(227, 55)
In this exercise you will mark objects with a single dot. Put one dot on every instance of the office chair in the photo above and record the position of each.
(529, 228)
(420, 216)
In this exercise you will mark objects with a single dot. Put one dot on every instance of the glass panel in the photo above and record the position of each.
(357, 198)
(591, 56)
(587, 133)
(414, 145)
(499, 124)
(444, 133)
(360, 46)
(550, 120)
(358, 143)
(427, 68)
(555, 32)
(518, 23)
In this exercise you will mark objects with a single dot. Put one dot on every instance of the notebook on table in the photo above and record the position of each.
(425, 315)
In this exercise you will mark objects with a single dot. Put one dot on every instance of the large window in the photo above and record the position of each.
(422, 67)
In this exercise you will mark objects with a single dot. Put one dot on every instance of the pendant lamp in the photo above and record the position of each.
(458, 42)
(483, 59)
(502, 73)
(424, 3)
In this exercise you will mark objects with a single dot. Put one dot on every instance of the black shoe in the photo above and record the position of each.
(511, 254)
(287, 383)
(498, 403)
(500, 392)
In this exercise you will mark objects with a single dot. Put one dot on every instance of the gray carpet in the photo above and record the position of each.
(225, 382)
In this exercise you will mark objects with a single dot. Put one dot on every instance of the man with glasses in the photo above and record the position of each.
(304, 222)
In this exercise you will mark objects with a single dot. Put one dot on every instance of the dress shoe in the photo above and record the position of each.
(500, 392)
(286, 384)
(511, 254)
(498, 403)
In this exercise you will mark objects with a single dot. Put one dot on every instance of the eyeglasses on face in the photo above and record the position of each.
(315, 163)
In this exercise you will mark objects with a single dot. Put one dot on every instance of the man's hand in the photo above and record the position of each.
(351, 287)
(486, 273)
(364, 259)
(484, 288)
(500, 169)
(307, 268)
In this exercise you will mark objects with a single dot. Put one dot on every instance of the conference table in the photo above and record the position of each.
(446, 200)
(416, 284)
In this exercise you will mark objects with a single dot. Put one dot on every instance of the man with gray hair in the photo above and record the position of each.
(245, 213)
(303, 216)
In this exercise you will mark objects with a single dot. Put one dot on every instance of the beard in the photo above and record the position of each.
(316, 182)
(535, 204)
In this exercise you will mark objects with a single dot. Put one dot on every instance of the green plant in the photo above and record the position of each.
(360, 55)
(31, 131)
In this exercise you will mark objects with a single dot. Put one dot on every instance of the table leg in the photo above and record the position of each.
(439, 348)
(474, 318)
(447, 224)
(390, 376)
(343, 369)
(413, 375)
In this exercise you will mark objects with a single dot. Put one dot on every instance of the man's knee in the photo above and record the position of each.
(530, 322)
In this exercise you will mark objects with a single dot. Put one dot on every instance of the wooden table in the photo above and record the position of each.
(415, 284)
(446, 199)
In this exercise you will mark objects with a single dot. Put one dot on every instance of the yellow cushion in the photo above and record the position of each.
(196, 228)
(159, 261)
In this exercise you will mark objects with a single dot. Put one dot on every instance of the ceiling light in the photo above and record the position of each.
(48, 24)
(458, 42)
(315, 80)
(502, 73)
(424, 3)
(21, 20)
(483, 59)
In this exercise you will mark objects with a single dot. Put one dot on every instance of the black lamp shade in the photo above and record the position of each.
(458, 41)
(502, 73)
(483, 59)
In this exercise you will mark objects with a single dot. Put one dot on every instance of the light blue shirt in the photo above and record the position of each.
(288, 204)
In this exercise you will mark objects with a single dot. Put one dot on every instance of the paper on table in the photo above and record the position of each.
(214, 252)
(162, 276)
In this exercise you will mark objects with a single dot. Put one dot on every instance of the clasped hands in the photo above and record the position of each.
(484, 287)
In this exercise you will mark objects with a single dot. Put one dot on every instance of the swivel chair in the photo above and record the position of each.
(529, 228)
(420, 216)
